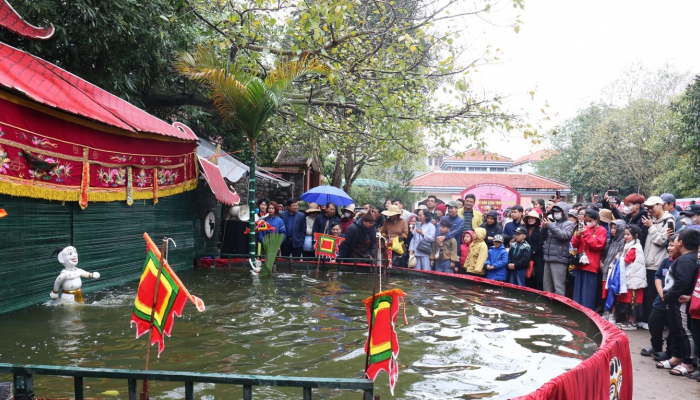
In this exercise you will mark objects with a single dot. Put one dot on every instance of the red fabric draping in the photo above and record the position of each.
(217, 184)
(607, 374)
(43, 156)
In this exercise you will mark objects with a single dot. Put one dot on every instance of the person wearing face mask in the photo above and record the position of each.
(590, 243)
(634, 211)
(557, 237)
(534, 239)
(347, 218)
(691, 217)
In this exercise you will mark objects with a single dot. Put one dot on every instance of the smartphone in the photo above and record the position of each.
(557, 194)
(670, 224)
(581, 226)
(613, 193)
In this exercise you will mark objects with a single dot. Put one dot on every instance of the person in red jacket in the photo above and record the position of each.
(467, 239)
(590, 241)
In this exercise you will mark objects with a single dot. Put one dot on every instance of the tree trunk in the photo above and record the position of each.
(337, 180)
(251, 200)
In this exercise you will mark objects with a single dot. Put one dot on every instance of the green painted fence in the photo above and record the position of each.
(108, 237)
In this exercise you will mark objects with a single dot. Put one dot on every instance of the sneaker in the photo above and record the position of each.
(629, 327)
(606, 315)
(612, 318)
(643, 325)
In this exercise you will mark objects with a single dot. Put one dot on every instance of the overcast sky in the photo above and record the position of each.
(569, 51)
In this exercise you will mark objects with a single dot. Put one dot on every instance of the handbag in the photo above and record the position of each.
(581, 259)
(397, 246)
(308, 243)
(424, 246)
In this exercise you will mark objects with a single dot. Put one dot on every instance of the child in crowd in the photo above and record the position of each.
(657, 318)
(497, 261)
(443, 257)
(337, 230)
(478, 253)
(467, 239)
(680, 281)
(629, 305)
(519, 257)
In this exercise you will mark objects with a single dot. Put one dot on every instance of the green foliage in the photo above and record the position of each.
(683, 176)
(399, 187)
(123, 46)
(271, 243)
(628, 148)
(388, 59)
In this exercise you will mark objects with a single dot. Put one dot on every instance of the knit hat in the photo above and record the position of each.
(442, 208)
(369, 217)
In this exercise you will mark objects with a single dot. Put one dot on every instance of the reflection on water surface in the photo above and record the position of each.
(463, 341)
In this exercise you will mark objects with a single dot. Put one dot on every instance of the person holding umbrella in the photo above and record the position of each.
(324, 222)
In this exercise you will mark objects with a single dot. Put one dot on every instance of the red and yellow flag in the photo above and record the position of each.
(172, 296)
(327, 245)
(383, 343)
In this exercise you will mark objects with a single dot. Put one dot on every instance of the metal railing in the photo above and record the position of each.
(24, 386)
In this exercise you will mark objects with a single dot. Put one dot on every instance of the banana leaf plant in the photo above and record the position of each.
(246, 98)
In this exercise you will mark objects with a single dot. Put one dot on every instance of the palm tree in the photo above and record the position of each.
(244, 98)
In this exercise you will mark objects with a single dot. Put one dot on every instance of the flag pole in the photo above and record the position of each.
(194, 299)
(377, 264)
(144, 392)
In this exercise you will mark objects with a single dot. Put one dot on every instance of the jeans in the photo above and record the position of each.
(585, 288)
(517, 277)
(443, 266)
(554, 280)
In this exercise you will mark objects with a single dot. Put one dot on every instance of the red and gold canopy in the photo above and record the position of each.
(62, 138)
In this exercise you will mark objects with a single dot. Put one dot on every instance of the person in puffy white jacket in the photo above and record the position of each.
(630, 304)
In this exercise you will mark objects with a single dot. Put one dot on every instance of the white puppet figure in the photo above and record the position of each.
(69, 278)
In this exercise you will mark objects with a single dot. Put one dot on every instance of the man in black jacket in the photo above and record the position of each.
(360, 239)
(680, 281)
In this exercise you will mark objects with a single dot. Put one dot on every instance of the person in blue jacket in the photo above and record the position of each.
(497, 261)
(274, 221)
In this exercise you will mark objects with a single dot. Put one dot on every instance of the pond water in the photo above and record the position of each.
(463, 340)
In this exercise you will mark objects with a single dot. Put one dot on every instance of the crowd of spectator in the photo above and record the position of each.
(635, 262)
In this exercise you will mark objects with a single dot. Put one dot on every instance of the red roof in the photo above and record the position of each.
(478, 155)
(48, 84)
(466, 179)
(13, 22)
(534, 157)
(217, 184)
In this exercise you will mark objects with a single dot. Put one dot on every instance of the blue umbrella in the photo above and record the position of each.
(323, 195)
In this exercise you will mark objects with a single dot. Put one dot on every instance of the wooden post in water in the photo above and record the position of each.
(144, 392)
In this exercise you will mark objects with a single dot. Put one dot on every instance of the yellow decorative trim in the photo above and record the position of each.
(37, 192)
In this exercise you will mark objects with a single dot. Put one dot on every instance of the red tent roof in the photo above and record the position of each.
(466, 179)
(217, 184)
(48, 84)
(13, 22)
